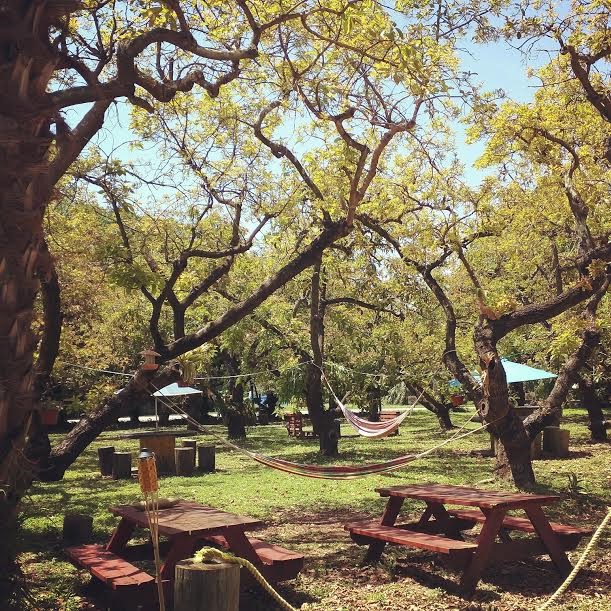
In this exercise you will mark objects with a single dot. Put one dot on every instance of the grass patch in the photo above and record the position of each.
(307, 515)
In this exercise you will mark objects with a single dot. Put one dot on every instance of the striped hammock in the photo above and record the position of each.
(367, 428)
(333, 472)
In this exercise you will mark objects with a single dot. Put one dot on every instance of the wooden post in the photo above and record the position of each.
(105, 459)
(121, 465)
(206, 458)
(190, 443)
(200, 586)
(78, 528)
(556, 441)
(185, 461)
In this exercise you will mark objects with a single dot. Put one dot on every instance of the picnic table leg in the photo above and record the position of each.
(182, 547)
(446, 522)
(485, 541)
(240, 546)
(121, 535)
(389, 517)
(549, 539)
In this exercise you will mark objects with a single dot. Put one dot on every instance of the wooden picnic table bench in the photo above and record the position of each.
(294, 427)
(386, 415)
(187, 526)
(440, 530)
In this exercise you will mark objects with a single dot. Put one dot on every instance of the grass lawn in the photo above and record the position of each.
(307, 515)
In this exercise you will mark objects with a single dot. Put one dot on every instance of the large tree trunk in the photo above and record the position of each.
(513, 451)
(322, 421)
(236, 422)
(52, 318)
(591, 402)
(439, 408)
(71, 447)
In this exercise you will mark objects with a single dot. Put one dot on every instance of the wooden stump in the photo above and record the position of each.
(200, 586)
(556, 441)
(190, 443)
(78, 528)
(122, 465)
(185, 461)
(105, 459)
(206, 458)
(163, 448)
(535, 447)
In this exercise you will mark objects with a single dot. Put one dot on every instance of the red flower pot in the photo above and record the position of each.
(457, 400)
(49, 416)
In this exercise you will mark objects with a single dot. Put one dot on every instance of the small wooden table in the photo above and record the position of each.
(187, 525)
(439, 530)
(162, 443)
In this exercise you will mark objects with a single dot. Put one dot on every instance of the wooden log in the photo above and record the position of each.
(535, 447)
(185, 461)
(200, 586)
(206, 458)
(190, 443)
(121, 465)
(556, 441)
(162, 445)
(78, 528)
(105, 460)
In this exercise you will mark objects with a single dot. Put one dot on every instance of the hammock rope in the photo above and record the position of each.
(331, 472)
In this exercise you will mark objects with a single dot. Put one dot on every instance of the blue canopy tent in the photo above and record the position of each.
(516, 372)
(173, 390)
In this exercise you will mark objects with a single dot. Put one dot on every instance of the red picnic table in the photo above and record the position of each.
(440, 530)
(187, 526)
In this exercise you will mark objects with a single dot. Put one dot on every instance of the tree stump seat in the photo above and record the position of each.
(282, 563)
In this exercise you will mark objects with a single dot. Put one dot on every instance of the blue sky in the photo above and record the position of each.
(497, 66)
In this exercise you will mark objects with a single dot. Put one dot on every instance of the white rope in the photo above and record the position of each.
(254, 373)
(115, 373)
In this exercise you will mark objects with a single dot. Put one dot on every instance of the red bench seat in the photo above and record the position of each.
(521, 524)
(363, 532)
(283, 563)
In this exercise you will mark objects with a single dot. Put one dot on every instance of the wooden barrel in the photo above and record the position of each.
(206, 458)
(200, 586)
(105, 460)
(190, 443)
(185, 461)
(78, 528)
(121, 465)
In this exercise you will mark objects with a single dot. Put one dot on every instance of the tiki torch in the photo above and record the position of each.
(147, 476)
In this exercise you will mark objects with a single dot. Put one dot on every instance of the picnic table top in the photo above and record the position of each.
(188, 517)
(463, 495)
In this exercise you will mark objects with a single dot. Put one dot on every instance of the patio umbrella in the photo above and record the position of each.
(516, 372)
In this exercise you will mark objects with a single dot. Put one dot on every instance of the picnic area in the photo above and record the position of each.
(308, 517)
(305, 305)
